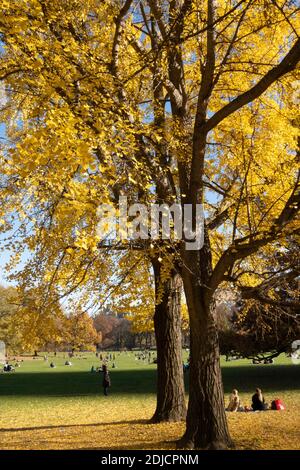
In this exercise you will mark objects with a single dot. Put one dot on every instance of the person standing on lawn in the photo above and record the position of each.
(106, 379)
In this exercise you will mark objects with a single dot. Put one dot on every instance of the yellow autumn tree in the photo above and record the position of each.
(81, 333)
(33, 326)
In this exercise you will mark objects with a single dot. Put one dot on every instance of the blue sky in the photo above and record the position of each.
(4, 255)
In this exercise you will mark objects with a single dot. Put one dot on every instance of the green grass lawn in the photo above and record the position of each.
(65, 407)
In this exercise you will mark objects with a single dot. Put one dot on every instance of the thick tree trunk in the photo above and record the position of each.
(206, 425)
(167, 323)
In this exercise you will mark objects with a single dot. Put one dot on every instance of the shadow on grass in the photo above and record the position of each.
(63, 426)
(270, 378)
(76, 383)
(133, 382)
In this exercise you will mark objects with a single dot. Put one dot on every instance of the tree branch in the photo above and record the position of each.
(286, 65)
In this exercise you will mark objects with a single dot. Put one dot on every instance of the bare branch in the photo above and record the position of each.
(120, 21)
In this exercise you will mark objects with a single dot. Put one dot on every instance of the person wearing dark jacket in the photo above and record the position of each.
(258, 401)
(106, 380)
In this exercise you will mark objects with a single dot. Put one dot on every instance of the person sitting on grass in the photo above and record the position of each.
(258, 401)
(52, 365)
(234, 401)
(8, 367)
(68, 363)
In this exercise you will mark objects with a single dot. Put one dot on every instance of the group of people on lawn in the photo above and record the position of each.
(258, 402)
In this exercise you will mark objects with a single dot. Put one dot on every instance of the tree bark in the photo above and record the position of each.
(206, 425)
(167, 324)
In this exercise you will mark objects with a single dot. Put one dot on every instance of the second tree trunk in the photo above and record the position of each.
(206, 420)
(167, 323)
